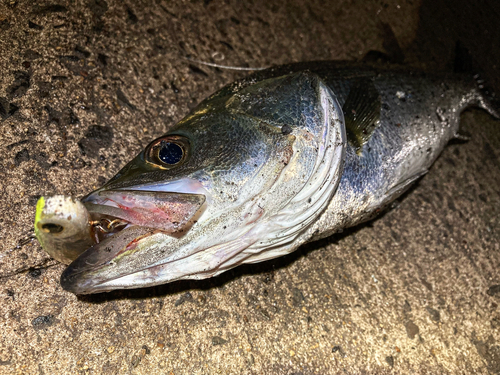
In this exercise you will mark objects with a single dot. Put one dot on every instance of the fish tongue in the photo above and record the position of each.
(166, 211)
(82, 273)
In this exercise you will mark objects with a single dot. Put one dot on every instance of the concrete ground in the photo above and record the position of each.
(86, 84)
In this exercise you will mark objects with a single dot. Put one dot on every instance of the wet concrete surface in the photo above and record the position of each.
(85, 85)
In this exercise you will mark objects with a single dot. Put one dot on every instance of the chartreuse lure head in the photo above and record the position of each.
(63, 227)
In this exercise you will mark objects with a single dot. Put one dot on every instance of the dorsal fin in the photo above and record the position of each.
(361, 112)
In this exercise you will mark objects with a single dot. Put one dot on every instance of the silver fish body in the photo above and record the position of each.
(280, 158)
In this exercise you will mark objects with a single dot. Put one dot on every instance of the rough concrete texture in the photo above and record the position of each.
(85, 84)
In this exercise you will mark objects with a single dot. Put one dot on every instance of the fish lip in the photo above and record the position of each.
(184, 185)
(73, 282)
(80, 276)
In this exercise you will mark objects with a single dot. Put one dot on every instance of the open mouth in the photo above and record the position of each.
(113, 211)
(120, 221)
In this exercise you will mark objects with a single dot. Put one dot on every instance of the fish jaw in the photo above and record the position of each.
(84, 274)
(110, 265)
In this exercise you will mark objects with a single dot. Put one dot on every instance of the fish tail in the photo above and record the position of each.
(485, 97)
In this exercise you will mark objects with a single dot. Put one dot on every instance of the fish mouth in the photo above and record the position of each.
(123, 219)
(82, 276)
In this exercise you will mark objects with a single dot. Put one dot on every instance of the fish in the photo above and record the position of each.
(285, 156)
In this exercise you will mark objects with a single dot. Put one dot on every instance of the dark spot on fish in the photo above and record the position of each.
(286, 129)
(493, 290)
(197, 70)
(217, 340)
(34, 26)
(34, 272)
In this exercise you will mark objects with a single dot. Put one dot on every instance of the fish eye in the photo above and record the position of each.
(168, 152)
(52, 228)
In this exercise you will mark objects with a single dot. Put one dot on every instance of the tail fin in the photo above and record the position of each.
(487, 98)
(464, 64)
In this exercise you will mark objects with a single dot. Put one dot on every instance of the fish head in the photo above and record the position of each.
(236, 181)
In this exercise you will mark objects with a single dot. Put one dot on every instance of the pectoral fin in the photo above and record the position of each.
(361, 112)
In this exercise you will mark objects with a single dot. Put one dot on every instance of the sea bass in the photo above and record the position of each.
(285, 156)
